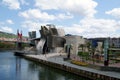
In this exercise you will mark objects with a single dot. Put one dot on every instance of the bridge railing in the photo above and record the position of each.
(13, 40)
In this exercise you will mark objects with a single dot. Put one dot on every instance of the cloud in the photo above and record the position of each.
(64, 16)
(47, 5)
(36, 14)
(12, 4)
(87, 27)
(99, 27)
(79, 7)
(92, 27)
(23, 2)
(114, 12)
(9, 21)
(6, 29)
(32, 25)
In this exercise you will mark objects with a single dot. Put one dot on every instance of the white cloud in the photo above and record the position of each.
(36, 14)
(114, 12)
(100, 24)
(45, 4)
(6, 29)
(80, 7)
(91, 27)
(32, 26)
(12, 4)
(74, 29)
(9, 21)
(23, 2)
(88, 27)
(64, 16)
(99, 27)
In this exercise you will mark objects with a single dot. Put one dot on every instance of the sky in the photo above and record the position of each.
(87, 18)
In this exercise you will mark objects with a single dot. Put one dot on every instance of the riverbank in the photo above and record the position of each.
(57, 61)
(18, 68)
(7, 49)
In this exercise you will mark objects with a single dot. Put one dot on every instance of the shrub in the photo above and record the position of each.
(83, 54)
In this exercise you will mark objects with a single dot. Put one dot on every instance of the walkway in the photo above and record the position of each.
(58, 58)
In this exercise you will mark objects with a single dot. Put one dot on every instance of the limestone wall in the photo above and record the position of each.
(74, 41)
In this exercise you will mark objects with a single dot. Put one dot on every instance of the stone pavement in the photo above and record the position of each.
(58, 58)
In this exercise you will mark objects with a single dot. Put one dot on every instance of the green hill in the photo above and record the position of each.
(8, 35)
(8, 45)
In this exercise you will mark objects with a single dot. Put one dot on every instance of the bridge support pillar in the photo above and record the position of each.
(19, 45)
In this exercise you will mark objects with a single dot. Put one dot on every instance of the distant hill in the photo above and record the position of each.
(7, 35)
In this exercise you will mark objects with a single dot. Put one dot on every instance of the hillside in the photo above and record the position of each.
(8, 35)
(9, 45)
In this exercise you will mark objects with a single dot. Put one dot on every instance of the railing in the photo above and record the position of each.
(14, 41)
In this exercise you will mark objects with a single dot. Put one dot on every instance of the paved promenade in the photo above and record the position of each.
(58, 58)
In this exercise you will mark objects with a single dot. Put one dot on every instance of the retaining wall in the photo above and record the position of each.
(83, 73)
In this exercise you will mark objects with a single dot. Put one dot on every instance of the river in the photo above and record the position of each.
(16, 68)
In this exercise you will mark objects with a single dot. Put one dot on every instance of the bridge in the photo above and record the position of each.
(14, 40)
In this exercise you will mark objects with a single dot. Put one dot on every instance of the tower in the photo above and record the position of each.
(19, 40)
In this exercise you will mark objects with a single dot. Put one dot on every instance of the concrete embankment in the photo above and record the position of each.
(59, 63)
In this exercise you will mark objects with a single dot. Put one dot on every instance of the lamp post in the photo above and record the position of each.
(106, 57)
(68, 50)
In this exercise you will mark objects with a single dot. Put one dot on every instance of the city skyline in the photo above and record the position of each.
(88, 18)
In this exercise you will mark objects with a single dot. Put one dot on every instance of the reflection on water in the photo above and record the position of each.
(16, 68)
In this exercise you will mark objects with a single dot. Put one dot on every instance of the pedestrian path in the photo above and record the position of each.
(58, 58)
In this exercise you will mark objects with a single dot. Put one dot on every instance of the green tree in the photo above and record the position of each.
(82, 47)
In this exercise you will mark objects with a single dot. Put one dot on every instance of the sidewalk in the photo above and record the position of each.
(59, 60)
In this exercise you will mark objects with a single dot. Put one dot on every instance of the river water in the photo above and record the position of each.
(16, 68)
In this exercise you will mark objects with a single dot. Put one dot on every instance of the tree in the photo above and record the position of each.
(83, 53)
(82, 46)
(88, 44)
